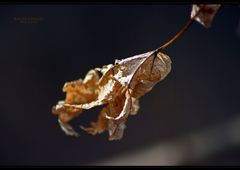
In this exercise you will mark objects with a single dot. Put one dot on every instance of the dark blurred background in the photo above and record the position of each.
(190, 118)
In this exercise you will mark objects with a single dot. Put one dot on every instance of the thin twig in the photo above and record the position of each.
(183, 30)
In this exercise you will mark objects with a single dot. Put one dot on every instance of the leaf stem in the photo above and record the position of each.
(180, 33)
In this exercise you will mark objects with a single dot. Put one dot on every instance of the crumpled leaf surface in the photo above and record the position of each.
(207, 13)
(118, 91)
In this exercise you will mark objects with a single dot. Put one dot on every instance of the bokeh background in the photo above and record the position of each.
(190, 118)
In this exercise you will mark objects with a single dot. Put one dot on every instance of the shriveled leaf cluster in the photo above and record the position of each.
(117, 88)
(207, 13)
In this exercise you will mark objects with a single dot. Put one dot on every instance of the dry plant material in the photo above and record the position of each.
(206, 15)
(118, 90)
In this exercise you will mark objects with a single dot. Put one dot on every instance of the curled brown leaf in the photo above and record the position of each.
(118, 90)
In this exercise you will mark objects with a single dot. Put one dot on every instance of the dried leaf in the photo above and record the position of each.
(207, 13)
(118, 90)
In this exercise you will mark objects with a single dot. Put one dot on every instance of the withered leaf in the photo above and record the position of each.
(207, 13)
(118, 90)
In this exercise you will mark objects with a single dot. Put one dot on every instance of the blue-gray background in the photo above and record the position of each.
(36, 59)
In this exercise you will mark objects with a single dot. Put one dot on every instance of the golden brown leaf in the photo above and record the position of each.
(118, 91)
